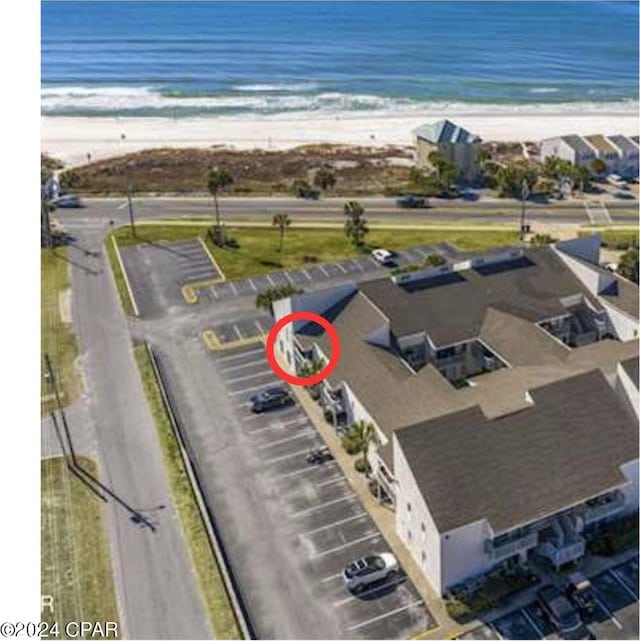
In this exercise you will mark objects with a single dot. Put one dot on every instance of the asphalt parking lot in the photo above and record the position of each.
(157, 272)
(616, 617)
(358, 267)
(242, 329)
(329, 526)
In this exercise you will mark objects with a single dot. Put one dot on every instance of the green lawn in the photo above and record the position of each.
(75, 563)
(57, 339)
(212, 587)
(616, 238)
(258, 246)
(121, 285)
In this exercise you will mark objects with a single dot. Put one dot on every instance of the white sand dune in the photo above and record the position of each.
(72, 138)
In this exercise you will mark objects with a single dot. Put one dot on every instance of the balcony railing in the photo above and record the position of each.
(598, 512)
(561, 555)
(499, 551)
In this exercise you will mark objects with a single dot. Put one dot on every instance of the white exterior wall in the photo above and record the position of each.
(625, 327)
(586, 247)
(630, 491)
(411, 520)
(557, 147)
(629, 388)
(463, 554)
(593, 279)
(356, 412)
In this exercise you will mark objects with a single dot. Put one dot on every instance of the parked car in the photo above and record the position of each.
(319, 455)
(617, 181)
(361, 573)
(612, 267)
(578, 588)
(562, 614)
(270, 398)
(412, 202)
(382, 256)
(67, 202)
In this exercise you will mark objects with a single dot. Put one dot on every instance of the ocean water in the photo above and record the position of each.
(269, 58)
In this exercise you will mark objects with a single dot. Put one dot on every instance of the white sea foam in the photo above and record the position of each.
(70, 100)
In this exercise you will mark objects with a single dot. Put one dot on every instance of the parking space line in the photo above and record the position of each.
(339, 479)
(280, 425)
(262, 372)
(495, 630)
(324, 271)
(606, 610)
(331, 577)
(384, 616)
(233, 368)
(255, 289)
(213, 291)
(235, 356)
(372, 535)
(334, 524)
(269, 279)
(286, 456)
(289, 277)
(235, 327)
(285, 440)
(378, 588)
(248, 389)
(344, 271)
(303, 470)
(358, 265)
(325, 504)
(304, 271)
(623, 583)
(233, 288)
(259, 326)
(421, 251)
(532, 623)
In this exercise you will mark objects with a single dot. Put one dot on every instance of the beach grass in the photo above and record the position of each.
(75, 562)
(57, 338)
(257, 251)
(214, 594)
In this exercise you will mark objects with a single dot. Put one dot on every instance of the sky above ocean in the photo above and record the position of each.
(269, 58)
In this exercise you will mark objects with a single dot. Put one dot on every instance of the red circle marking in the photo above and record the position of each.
(303, 380)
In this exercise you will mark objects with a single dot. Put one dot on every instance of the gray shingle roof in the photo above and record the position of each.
(624, 143)
(563, 450)
(632, 367)
(578, 144)
(445, 131)
(452, 308)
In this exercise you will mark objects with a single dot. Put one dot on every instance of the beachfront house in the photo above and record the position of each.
(500, 390)
(455, 143)
(629, 150)
(606, 151)
(573, 148)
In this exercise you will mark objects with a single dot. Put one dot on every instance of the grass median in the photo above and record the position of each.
(214, 593)
(57, 338)
(118, 275)
(257, 250)
(75, 564)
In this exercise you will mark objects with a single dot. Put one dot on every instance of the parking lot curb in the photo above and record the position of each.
(212, 341)
(230, 582)
(116, 249)
(189, 294)
(213, 261)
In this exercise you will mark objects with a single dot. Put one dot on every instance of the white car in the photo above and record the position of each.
(382, 256)
(363, 572)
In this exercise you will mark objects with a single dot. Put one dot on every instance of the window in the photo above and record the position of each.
(423, 527)
(409, 535)
(423, 556)
(408, 507)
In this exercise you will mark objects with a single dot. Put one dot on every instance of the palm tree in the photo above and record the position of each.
(311, 368)
(598, 166)
(355, 226)
(282, 221)
(217, 179)
(324, 178)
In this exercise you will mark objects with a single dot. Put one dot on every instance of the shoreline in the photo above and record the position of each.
(71, 138)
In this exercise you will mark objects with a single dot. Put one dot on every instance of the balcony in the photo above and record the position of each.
(503, 550)
(604, 510)
(564, 554)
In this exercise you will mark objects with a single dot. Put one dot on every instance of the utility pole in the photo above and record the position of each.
(524, 195)
(132, 222)
(45, 221)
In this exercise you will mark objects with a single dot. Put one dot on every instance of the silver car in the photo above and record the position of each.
(361, 573)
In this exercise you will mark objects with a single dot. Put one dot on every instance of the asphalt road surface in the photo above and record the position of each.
(378, 209)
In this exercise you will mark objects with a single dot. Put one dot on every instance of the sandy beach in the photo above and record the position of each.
(72, 138)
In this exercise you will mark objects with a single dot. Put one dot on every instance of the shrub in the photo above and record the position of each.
(265, 299)
(351, 445)
(458, 610)
(542, 239)
(362, 466)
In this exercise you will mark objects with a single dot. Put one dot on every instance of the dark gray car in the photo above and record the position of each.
(270, 398)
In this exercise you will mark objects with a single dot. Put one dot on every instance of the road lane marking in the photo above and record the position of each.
(334, 524)
(384, 616)
(322, 505)
(367, 537)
